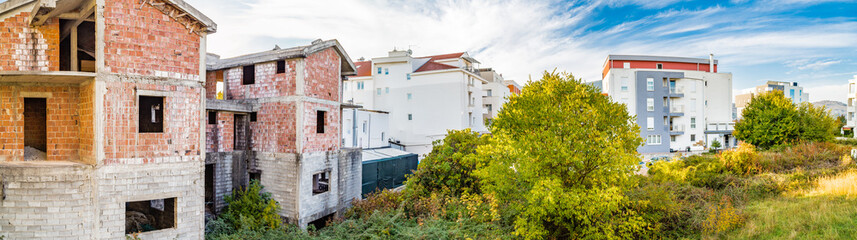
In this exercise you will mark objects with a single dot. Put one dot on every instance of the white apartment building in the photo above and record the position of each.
(496, 93)
(851, 119)
(680, 103)
(424, 96)
(790, 90)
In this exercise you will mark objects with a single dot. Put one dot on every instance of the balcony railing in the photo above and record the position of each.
(677, 109)
(471, 69)
(677, 90)
(677, 128)
(726, 126)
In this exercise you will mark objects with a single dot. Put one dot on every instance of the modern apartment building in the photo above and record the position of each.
(496, 93)
(680, 103)
(790, 90)
(424, 96)
(851, 105)
(513, 86)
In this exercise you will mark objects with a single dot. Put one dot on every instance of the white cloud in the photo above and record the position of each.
(523, 38)
(835, 92)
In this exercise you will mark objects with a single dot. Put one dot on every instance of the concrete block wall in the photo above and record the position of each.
(63, 120)
(350, 177)
(181, 179)
(50, 201)
(315, 206)
(280, 178)
(222, 177)
(26, 48)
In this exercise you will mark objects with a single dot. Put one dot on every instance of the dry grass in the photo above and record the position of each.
(843, 184)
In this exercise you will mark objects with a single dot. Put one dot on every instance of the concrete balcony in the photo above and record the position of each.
(676, 129)
(676, 92)
(720, 128)
(676, 110)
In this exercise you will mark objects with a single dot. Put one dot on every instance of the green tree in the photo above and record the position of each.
(715, 144)
(771, 119)
(560, 158)
(448, 169)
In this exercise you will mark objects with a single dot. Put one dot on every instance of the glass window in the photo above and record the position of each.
(626, 65)
(653, 140)
(650, 84)
(379, 70)
(409, 96)
(408, 76)
(489, 92)
(650, 123)
(693, 137)
(693, 122)
(410, 116)
(379, 91)
(650, 104)
(387, 89)
(386, 71)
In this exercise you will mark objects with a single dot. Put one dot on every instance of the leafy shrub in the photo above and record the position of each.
(448, 168)
(805, 155)
(247, 209)
(743, 160)
(722, 217)
(383, 201)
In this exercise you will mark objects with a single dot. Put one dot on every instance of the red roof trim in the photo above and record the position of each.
(432, 66)
(364, 68)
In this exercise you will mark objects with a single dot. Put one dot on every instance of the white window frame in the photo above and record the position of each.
(693, 123)
(626, 65)
(653, 139)
(650, 84)
(650, 123)
(650, 104)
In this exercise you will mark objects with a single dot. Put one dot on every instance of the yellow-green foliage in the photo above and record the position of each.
(722, 217)
(448, 168)
(843, 184)
(560, 158)
(743, 160)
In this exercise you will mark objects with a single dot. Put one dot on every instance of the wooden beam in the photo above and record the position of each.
(74, 59)
(62, 7)
(86, 11)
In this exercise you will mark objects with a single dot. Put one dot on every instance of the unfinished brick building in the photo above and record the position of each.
(278, 121)
(102, 119)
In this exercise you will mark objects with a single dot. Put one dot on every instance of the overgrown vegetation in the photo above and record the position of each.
(561, 163)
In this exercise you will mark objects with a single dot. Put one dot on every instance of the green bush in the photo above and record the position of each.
(448, 168)
(247, 209)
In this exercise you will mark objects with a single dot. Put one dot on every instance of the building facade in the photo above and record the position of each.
(851, 105)
(680, 103)
(424, 96)
(279, 123)
(496, 92)
(790, 90)
(101, 121)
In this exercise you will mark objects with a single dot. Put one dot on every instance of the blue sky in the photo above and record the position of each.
(812, 42)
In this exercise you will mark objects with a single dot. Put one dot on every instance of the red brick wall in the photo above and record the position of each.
(323, 75)
(274, 129)
(139, 39)
(182, 116)
(268, 82)
(62, 122)
(211, 85)
(23, 48)
(219, 136)
(330, 139)
(86, 130)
